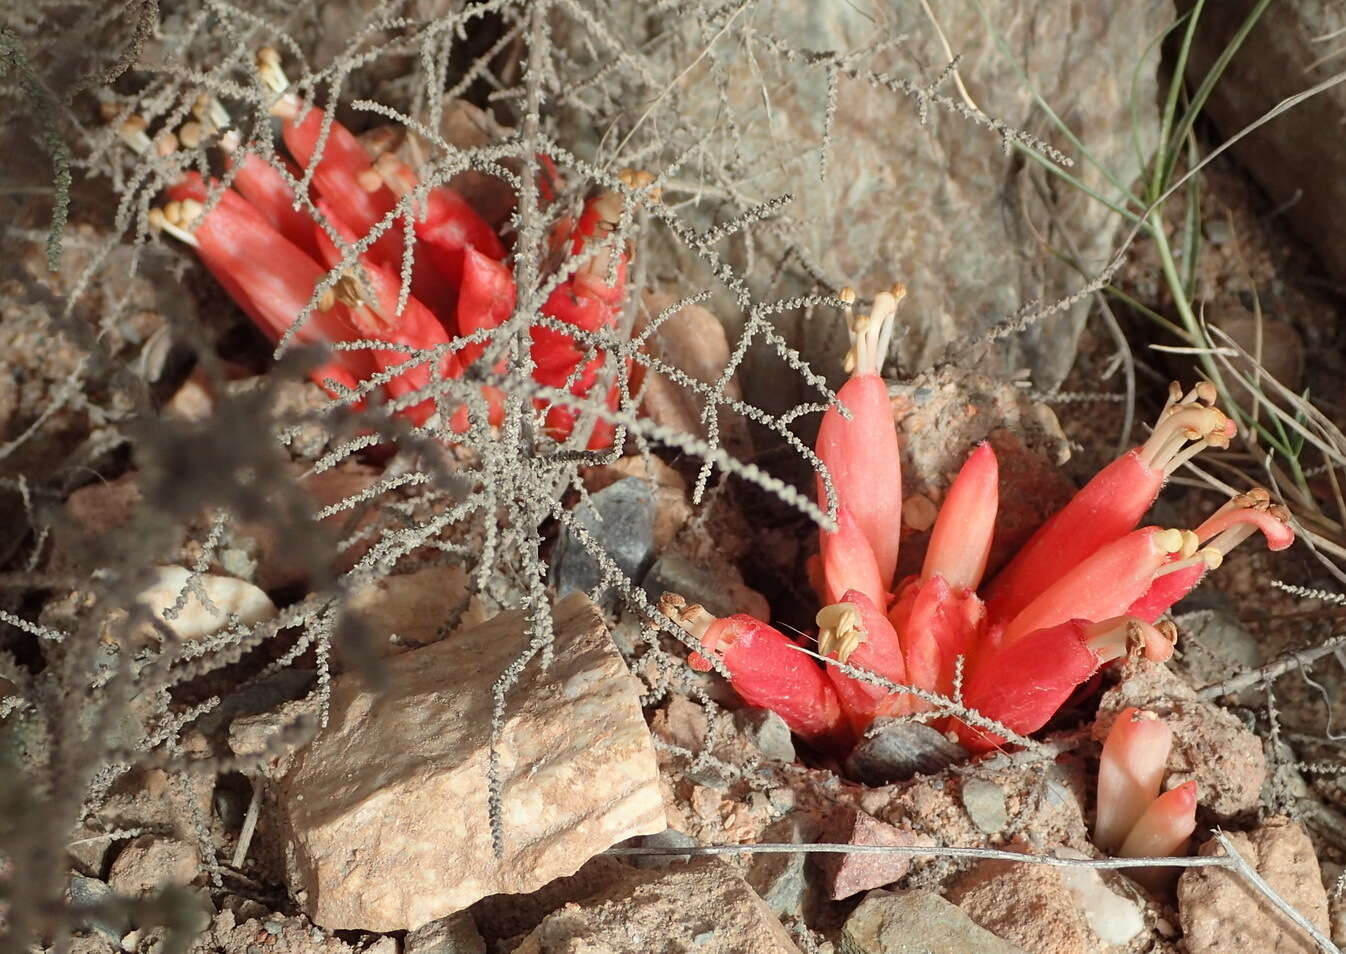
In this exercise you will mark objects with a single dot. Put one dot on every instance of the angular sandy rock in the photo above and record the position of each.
(386, 809)
(1027, 904)
(1221, 912)
(908, 922)
(700, 906)
(406, 611)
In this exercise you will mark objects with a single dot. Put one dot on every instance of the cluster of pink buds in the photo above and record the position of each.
(1086, 589)
(269, 255)
(1134, 820)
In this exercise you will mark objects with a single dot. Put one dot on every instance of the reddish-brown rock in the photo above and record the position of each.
(849, 874)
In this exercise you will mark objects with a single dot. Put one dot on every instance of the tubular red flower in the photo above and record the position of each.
(856, 633)
(1130, 772)
(1113, 502)
(1022, 684)
(447, 226)
(377, 317)
(345, 177)
(848, 562)
(961, 540)
(765, 669)
(267, 275)
(861, 455)
(938, 625)
(586, 301)
(485, 300)
(267, 191)
(1106, 584)
(1240, 518)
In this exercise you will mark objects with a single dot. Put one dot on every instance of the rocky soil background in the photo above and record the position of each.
(266, 688)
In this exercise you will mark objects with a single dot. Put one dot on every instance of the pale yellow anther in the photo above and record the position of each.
(1169, 541)
(370, 180)
(190, 211)
(166, 143)
(839, 631)
(640, 179)
(156, 218)
(191, 134)
(1190, 544)
(1212, 557)
(1205, 392)
(173, 212)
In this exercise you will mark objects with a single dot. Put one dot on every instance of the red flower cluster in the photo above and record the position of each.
(1085, 588)
(269, 255)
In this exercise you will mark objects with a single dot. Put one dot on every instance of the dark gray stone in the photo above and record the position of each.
(895, 751)
(674, 573)
(455, 934)
(620, 519)
(768, 732)
(779, 879)
(105, 915)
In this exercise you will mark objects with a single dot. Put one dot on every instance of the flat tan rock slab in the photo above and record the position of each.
(386, 809)
(700, 906)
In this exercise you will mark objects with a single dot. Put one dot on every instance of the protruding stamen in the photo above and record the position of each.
(639, 179)
(872, 333)
(159, 221)
(1241, 517)
(840, 631)
(1191, 420)
(1211, 557)
(132, 132)
(211, 115)
(694, 620)
(1113, 638)
(270, 71)
(273, 77)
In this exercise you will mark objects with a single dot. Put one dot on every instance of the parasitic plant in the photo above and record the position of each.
(271, 256)
(1087, 588)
